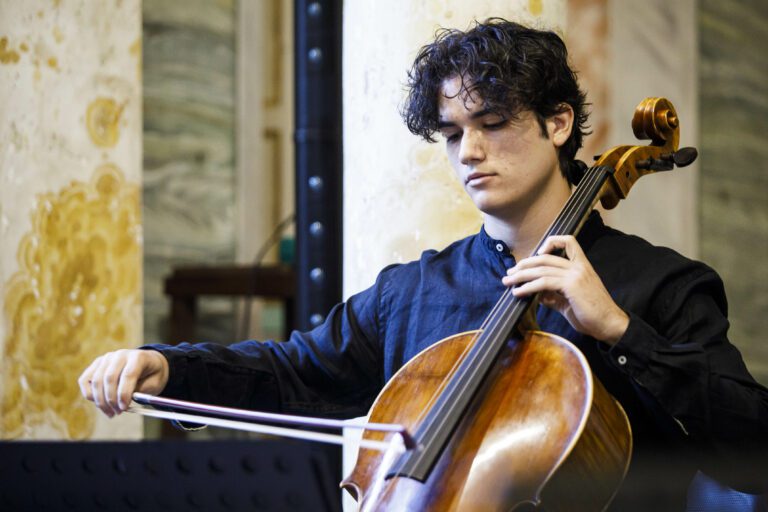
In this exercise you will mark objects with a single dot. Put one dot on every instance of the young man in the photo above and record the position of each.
(651, 323)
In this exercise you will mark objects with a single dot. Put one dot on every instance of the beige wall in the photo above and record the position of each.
(70, 168)
(652, 51)
(265, 162)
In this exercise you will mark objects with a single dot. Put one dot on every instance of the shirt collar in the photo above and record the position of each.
(492, 244)
(587, 236)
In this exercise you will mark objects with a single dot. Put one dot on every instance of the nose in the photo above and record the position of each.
(471, 149)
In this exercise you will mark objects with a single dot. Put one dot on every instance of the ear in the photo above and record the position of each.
(560, 125)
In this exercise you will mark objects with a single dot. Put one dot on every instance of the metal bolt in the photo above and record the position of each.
(314, 9)
(316, 229)
(317, 274)
(315, 183)
(315, 55)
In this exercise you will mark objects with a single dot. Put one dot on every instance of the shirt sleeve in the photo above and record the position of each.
(681, 355)
(333, 370)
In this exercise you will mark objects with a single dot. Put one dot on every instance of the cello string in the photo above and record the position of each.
(572, 208)
(593, 177)
(570, 212)
(574, 203)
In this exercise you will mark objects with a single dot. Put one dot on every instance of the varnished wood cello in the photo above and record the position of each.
(508, 417)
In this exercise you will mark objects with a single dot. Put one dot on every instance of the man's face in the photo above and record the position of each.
(505, 165)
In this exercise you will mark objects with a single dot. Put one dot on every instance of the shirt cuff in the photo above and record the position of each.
(177, 370)
(177, 366)
(633, 353)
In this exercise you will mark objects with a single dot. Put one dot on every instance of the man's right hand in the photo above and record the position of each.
(110, 380)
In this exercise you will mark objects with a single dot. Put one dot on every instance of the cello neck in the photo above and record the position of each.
(576, 210)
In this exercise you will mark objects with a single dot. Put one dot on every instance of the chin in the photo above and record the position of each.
(489, 205)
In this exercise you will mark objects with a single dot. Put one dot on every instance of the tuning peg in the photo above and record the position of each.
(667, 161)
(663, 163)
(684, 156)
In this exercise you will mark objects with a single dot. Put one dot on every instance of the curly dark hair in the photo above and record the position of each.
(512, 68)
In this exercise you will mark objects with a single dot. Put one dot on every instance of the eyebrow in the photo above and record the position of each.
(473, 115)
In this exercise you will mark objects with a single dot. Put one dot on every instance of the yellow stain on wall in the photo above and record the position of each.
(447, 214)
(75, 296)
(536, 7)
(102, 118)
(7, 55)
(135, 50)
(58, 35)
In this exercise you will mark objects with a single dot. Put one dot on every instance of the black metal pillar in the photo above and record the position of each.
(318, 140)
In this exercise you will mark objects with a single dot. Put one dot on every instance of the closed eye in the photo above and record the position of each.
(495, 126)
(452, 137)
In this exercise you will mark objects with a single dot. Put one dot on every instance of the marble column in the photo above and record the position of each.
(733, 79)
(189, 147)
(70, 174)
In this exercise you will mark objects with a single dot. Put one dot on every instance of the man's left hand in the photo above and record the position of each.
(570, 285)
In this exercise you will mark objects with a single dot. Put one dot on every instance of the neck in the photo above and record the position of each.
(523, 230)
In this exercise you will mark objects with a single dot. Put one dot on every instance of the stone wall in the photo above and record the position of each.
(733, 80)
(189, 141)
(70, 228)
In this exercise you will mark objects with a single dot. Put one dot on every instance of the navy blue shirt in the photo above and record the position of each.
(674, 371)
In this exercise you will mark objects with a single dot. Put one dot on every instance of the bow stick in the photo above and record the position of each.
(247, 420)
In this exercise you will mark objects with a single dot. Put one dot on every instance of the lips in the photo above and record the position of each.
(476, 177)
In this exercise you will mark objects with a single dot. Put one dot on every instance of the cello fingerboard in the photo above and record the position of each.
(442, 419)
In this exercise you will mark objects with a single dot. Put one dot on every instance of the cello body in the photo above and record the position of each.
(546, 435)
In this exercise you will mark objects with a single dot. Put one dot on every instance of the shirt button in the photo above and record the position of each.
(622, 360)
(499, 247)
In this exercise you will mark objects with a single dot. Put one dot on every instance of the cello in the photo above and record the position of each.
(507, 417)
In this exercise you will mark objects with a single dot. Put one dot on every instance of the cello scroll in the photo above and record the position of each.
(655, 119)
